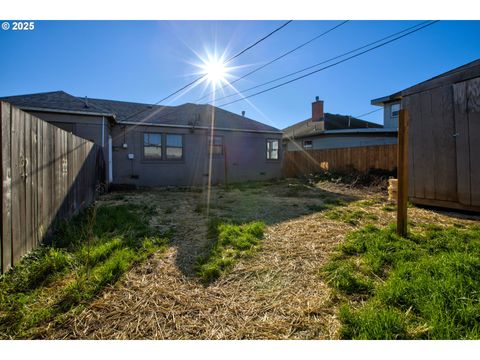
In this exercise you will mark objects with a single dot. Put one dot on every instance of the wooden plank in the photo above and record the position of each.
(6, 241)
(427, 147)
(445, 204)
(473, 106)
(27, 222)
(444, 157)
(34, 183)
(415, 141)
(39, 171)
(462, 142)
(402, 187)
(17, 142)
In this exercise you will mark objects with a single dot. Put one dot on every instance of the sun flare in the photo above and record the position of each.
(215, 70)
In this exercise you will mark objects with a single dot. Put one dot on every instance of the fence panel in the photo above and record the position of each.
(47, 175)
(302, 163)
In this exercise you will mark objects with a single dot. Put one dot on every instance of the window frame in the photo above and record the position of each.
(267, 152)
(166, 158)
(392, 115)
(307, 147)
(221, 146)
(149, 158)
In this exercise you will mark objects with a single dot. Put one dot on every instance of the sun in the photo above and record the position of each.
(215, 70)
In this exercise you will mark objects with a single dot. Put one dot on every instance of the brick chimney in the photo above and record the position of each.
(317, 114)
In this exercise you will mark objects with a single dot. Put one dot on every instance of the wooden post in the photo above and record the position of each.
(402, 172)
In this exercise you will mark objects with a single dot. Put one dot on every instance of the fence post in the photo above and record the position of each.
(402, 172)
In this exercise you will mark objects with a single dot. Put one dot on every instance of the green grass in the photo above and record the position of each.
(350, 216)
(230, 242)
(87, 252)
(425, 286)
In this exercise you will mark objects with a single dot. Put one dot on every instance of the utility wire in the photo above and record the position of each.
(368, 113)
(324, 61)
(324, 68)
(274, 60)
(226, 62)
(315, 65)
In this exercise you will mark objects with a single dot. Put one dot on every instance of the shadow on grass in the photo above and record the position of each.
(268, 202)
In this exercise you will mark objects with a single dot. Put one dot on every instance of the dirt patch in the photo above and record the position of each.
(275, 294)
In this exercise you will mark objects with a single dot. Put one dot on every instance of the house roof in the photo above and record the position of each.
(57, 101)
(198, 115)
(333, 122)
(461, 73)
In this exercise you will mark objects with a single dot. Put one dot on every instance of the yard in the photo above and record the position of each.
(276, 260)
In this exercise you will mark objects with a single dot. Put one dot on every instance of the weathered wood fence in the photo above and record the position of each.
(301, 163)
(47, 175)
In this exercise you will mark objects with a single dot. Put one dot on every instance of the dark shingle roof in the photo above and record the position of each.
(123, 111)
(332, 122)
(187, 115)
(55, 100)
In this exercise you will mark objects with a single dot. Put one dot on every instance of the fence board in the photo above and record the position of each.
(47, 175)
(6, 243)
(302, 163)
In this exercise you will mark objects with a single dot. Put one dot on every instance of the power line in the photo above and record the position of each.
(329, 66)
(368, 113)
(276, 59)
(257, 42)
(227, 61)
(325, 61)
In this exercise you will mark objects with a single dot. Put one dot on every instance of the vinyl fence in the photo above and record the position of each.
(302, 163)
(47, 174)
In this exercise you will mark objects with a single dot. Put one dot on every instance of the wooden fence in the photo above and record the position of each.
(47, 175)
(301, 163)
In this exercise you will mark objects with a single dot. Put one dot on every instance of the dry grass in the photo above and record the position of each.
(275, 294)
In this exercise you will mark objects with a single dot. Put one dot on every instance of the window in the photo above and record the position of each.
(216, 145)
(395, 108)
(152, 146)
(174, 147)
(272, 149)
(307, 144)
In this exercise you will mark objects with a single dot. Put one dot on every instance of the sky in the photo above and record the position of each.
(144, 61)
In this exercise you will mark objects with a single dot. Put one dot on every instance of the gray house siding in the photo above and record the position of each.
(338, 141)
(389, 121)
(244, 158)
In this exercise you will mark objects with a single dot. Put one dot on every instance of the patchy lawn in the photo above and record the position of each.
(89, 252)
(248, 265)
(425, 286)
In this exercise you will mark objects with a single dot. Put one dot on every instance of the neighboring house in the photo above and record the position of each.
(333, 131)
(443, 138)
(391, 108)
(153, 145)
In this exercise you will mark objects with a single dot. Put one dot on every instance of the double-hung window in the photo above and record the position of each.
(272, 149)
(152, 146)
(174, 147)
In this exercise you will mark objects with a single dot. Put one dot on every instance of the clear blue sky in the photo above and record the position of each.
(146, 60)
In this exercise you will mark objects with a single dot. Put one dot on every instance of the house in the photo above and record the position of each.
(333, 131)
(443, 137)
(153, 145)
